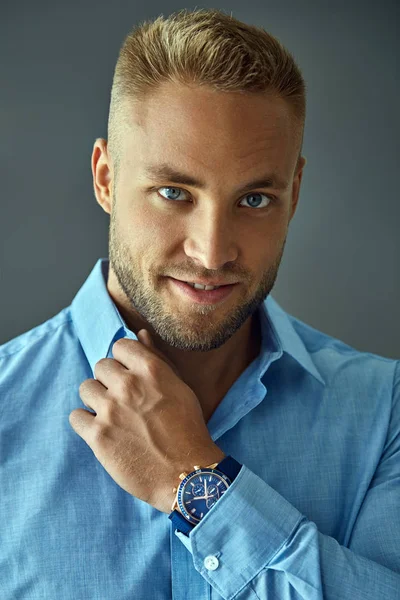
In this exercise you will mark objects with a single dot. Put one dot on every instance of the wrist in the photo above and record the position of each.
(210, 458)
(203, 457)
(200, 489)
(207, 457)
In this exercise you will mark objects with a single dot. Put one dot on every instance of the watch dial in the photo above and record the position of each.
(200, 492)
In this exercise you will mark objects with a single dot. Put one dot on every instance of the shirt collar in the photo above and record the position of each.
(99, 324)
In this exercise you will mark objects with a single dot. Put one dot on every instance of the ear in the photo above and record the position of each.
(102, 174)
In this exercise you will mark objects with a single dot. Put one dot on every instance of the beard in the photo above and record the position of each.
(186, 326)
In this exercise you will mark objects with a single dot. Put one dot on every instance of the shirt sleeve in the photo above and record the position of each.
(255, 545)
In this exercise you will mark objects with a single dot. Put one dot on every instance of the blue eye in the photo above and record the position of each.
(254, 202)
(174, 191)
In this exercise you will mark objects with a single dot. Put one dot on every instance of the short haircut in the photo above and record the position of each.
(205, 47)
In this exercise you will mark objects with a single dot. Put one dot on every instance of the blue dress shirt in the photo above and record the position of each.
(313, 514)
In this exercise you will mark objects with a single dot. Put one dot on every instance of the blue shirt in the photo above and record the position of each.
(313, 514)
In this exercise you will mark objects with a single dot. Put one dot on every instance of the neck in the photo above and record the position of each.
(222, 366)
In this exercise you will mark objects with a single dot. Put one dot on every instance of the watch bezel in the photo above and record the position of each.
(188, 516)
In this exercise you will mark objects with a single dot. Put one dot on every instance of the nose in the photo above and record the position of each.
(211, 238)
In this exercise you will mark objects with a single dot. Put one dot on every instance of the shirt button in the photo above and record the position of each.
(211, 563)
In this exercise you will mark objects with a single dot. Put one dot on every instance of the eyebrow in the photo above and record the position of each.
(168, 173)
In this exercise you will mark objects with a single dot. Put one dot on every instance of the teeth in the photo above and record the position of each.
(198, 286)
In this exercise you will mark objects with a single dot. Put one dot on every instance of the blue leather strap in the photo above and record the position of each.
(180, 522)
(229, 467)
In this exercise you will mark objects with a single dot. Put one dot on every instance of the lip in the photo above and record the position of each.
(203, 296)
(205, 282)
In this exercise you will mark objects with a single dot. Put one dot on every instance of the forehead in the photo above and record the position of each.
(198, 127)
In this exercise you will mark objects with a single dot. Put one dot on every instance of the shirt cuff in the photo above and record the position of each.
(241, 534)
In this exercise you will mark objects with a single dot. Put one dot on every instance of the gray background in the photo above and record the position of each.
(340, 267)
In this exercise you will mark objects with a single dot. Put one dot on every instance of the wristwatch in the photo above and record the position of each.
(199, 491)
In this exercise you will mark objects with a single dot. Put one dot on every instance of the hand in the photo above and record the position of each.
(148, 427)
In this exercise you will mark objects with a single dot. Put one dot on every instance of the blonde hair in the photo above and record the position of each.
(202, 47)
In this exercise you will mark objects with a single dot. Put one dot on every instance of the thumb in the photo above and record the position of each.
(145, 337)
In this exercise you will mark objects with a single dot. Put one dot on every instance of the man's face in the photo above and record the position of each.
(160, 228)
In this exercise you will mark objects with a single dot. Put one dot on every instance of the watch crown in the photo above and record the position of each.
(182, 476)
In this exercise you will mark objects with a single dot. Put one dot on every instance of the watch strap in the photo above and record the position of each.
(180, 523)
(229, 467)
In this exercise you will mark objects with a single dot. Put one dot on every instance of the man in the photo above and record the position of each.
(226, 449)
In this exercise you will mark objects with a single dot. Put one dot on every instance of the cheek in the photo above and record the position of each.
(260, 243)
(262, 250)
(141, 224)
(149, 237)
(161, 230)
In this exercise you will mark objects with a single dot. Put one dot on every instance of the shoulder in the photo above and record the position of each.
(337, 361)
(41, 340)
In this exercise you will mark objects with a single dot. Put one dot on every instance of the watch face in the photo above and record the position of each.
(199, 491)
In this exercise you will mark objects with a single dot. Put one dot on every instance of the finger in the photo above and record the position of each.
(109, 371)
(81, 422)
(145, 337)
(90, 391)
(128, 352)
